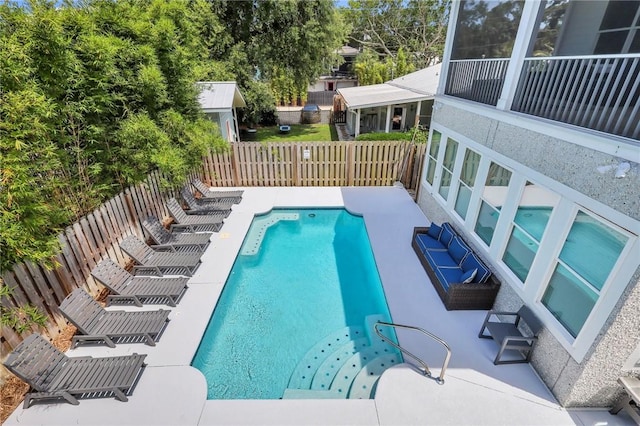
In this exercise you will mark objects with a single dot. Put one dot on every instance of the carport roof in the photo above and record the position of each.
(417, 86)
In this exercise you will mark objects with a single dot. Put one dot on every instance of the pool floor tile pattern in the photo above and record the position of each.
(173, 393)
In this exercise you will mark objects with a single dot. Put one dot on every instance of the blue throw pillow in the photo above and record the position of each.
(468, 276)
(434, 231)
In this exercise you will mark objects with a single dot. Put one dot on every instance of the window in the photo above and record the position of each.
(447, 167)
(467, 180)
(620, 28)
(534, 210)
(433, 155)
(493, 198)
(586, 260)
(486, 29)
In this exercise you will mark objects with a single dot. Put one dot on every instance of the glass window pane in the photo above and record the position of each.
(533, 220)
(450, 154)
(635, 43)
(549, 28)
(619, 14)
(445, 184)
(592, 249)
(486, 223)
(435, 144)
(462, 203)
(569, 299)
(520, 252)
(611, 42)
(486, 29)
(431, 171)
(470, 167)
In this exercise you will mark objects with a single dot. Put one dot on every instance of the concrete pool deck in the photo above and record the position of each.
(476, 392)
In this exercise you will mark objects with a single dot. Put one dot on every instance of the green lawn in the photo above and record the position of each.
(298, 133)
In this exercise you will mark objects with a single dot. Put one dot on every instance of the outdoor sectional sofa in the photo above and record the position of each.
(458, 275)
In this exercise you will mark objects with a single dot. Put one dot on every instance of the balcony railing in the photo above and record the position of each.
(596, 92)
(477, 80)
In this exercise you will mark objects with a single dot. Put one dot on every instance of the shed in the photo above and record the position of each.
(219, 101)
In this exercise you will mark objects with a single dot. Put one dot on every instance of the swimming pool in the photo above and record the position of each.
(301, 278)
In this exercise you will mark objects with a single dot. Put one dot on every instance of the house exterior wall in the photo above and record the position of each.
(577, 377)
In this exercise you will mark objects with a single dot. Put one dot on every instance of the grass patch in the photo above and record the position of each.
(298, 133)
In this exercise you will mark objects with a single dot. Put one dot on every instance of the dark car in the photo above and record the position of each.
(310, 114)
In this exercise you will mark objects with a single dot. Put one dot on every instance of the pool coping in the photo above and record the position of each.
(172, 392)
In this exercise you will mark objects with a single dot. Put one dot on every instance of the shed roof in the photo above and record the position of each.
(219, 95)
(417, 86)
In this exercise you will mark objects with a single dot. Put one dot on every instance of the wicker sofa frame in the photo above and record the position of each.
(458, 296)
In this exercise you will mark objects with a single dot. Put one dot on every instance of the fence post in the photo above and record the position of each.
(235, 167)
(295, 162)
(349, 163)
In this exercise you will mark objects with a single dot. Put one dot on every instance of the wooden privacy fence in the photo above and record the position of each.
(316, 164)
(96, 236)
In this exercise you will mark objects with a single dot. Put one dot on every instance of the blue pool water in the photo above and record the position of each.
(300, 275)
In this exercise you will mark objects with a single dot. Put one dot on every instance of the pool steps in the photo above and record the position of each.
(345, 364)
(254, 237)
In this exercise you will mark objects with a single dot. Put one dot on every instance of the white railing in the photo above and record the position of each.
(597, 92)
(478, 80)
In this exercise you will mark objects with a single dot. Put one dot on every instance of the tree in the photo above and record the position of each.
(289, 43)
(418, 27)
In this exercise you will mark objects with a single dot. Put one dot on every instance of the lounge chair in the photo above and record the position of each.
(208, 193)
(509, 336)
(193, 223)
(206, 206)
(125, 286)
(172, 263)
(95, 324)
(165, 239)
(53, 375)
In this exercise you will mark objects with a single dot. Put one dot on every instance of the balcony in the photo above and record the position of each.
(595, 92)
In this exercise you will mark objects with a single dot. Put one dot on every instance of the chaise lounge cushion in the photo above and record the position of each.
(472, 262)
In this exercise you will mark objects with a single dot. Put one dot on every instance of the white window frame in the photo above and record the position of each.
(557, 228)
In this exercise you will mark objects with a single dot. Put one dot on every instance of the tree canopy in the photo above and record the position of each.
(287, 43)
(417, 28)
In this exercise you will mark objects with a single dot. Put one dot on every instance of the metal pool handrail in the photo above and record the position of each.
(427, 372)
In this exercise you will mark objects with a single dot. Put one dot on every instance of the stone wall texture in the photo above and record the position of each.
(591, 383)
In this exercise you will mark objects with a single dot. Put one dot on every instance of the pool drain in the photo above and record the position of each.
(312, 215)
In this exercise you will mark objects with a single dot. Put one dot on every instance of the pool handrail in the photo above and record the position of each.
(427, 372)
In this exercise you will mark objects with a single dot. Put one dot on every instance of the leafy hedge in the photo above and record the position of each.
(92, 99)
(421, 136)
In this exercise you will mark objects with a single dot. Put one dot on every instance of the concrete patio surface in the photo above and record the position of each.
(475, 391)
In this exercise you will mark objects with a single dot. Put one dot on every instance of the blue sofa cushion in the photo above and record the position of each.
(434, 231)
(425, 242)
(472, 262)
(468, 276)
(447, 234)
(438, 258)
(448, 276)
(458, 250)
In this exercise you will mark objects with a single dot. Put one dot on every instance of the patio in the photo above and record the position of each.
(475, 391)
